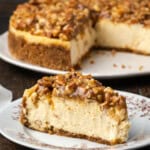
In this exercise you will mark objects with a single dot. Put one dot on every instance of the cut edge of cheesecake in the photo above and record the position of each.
(132, 37)
(50, 107)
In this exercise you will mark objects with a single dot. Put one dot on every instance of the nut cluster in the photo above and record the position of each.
(51, 18)
(76, 85)
(129, 11)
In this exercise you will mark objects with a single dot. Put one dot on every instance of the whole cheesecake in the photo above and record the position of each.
(76, 105)
(57, 34)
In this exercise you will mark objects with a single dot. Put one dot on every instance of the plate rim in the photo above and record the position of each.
(40, 69)
(30, 145)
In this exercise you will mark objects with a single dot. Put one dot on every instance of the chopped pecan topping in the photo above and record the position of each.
(76, 85)
(52, 18)
(129, 11)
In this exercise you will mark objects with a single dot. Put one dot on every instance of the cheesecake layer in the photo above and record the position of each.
(78, 106)
(82, 44)
(133, 37)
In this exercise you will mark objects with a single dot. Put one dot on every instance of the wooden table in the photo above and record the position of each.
(17, 79)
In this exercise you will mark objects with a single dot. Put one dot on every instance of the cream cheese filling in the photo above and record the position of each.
(121, 35)
(82, 44)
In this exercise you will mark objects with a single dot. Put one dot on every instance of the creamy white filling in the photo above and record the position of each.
(75, 117)
(120, 35)
(82, 44)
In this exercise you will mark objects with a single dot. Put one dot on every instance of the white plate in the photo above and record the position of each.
(139, 115)
(105, 65)
(5, 97)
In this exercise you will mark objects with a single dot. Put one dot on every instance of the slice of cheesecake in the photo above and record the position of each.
(51, 33)
(76, 105)
(122, 24)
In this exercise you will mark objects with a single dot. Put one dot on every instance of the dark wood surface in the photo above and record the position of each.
(17, 79)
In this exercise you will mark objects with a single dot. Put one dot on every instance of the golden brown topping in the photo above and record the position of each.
(51, 18)
(76, 85)
(129, 11)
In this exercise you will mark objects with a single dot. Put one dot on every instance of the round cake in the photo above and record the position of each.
(57, 34)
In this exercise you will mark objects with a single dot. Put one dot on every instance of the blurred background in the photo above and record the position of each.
(6, 9)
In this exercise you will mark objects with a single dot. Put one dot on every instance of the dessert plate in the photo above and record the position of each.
(139, 135)
(5, 97)
(100, 63)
